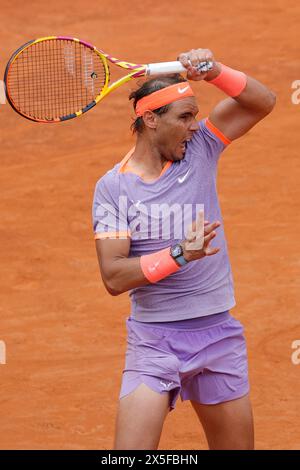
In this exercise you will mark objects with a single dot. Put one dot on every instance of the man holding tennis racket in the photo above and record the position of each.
(182, 339)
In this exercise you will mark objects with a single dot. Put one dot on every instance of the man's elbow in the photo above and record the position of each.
(112, 287)
(112, 291)
(269, 102)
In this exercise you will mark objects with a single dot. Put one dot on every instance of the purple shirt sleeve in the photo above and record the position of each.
(212, 143)
(109, 216)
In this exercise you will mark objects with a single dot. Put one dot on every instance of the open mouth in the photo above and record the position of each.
(184, 144)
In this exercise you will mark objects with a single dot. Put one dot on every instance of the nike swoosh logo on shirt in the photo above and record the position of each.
(182, 178)
(182, 90)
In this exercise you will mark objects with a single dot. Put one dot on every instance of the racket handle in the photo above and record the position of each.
(174, 67)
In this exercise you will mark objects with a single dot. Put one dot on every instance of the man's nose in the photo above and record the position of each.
(195, 125)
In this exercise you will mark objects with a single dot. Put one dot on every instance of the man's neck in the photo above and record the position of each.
(146, 159)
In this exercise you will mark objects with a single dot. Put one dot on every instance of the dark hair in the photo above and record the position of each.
(148, 87)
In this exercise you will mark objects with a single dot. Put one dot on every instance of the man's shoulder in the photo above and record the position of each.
(209, 138)
(110, 176)
(203, 128)
(109, 182)
(198, 141)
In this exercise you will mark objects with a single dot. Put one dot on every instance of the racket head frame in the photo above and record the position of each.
(136, 70)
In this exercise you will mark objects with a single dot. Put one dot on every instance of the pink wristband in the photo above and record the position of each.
(158, 265)
(231, 81)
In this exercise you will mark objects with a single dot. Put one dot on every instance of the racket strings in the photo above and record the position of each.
(55, 78)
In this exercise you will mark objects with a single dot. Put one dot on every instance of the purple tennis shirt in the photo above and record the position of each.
(156, 215)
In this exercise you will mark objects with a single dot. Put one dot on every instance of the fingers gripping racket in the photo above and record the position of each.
(57, 78)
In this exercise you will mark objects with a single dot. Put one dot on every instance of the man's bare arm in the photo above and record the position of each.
(121, 273)
(232, 116)
(236, 116)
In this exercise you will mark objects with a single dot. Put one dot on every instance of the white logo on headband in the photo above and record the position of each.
(182, 90)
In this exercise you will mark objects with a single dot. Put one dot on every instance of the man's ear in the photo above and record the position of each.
(150, 119)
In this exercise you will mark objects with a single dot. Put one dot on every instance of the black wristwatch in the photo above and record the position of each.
(176, 252)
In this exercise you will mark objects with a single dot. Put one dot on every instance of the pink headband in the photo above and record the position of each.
(162, 97)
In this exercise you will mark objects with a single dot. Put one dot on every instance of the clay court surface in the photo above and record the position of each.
(65, 336)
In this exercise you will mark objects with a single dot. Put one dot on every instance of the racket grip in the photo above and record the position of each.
(174, 67)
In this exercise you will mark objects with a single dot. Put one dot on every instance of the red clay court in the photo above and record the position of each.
(65, 336)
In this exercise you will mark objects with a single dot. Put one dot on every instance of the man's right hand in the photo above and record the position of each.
(196, 245)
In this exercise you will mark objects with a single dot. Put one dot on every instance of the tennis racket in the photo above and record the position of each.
(57, 78)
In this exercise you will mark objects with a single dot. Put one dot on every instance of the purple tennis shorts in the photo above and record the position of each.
(206, 364)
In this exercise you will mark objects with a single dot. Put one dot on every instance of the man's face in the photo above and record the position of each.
(176, 127)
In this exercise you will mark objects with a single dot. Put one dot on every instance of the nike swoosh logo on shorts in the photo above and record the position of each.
(166, 385)
(182, 90)
(182, 178)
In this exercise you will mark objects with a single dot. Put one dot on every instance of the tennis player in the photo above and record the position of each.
(152, 240)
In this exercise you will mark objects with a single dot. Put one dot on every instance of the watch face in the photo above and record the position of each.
(176, 251)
